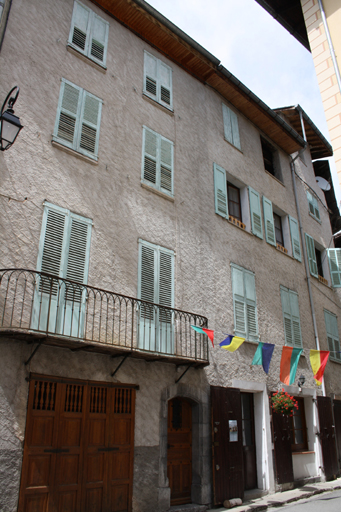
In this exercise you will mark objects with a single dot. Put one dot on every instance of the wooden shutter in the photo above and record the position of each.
(251, 309)
(68, 112)
(165, 84)
(269, 221)
(150, 75)
(295, 238)
(327, 437)
(89, 124)
(80, 27)
(99, 39)
(239, 303)
(291, 317)
(150, 153)
(282, 446)
(166, 165)
(334, 257)
(310, 244)
(231, 129)
(165, 283)
(220, 191)
(255, 210)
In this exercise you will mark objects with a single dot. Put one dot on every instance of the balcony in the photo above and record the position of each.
(40, 307)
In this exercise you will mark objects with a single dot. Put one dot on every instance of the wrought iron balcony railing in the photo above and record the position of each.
(66, 313)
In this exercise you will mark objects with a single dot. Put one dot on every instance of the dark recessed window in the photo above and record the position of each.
(233, 195)
(299, 440)
(319, 262)
(278, 229)
(271, 159)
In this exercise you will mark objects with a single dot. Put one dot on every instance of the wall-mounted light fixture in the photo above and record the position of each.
(301, 382)
(10, 125)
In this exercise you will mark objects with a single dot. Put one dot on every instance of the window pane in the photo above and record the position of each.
(234, 201)
(278, 229)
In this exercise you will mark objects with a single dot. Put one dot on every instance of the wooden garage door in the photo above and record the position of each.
(78, 453)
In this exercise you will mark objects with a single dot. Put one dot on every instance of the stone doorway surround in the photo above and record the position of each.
(201, 446)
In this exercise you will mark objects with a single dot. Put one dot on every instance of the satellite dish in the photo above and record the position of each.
(322, 183)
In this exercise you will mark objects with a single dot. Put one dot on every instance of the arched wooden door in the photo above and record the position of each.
(179, 450)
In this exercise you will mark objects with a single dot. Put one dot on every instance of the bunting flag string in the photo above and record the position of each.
(263, 355)
(289, 363)
(231, 343)
(203, 330)
(318, 361)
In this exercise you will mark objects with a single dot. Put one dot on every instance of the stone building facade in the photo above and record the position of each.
(149, 191)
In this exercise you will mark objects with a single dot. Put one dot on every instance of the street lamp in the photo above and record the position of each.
(10, 125)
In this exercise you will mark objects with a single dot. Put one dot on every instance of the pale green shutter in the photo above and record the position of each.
(255, 210)
(295, 238)
(313, 205)
(334, 257)
(68, 112)
(239, 303)
(90, 124)
(150, 153)
(99, 39)
(235, 130)
(165, 84)
(332, 335)
(77, 261)
(286, 310)
(291, 318)
(269, 221)
(251, 308)
(165, 288)
(220, 191)
(227, 124)
(150, 75)
(295, 317)
(166, 165)
(309, 241)
(80, 27)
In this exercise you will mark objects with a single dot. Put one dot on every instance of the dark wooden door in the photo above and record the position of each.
(227, 449)
(337, 420)
(78, 453)
(327, 437)
(249, 445)
(179, 450)
(281, 427)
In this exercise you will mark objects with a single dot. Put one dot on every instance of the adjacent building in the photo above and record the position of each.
(150, 191)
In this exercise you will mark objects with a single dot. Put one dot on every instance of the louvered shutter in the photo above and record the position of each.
(165, 285)
(220, 191)
(313, 205)
(150, 154)
(227, 124)
(295, 317)
(286, 310)
(239, 303)
(80, 27)
(251, 309)
(334, 257)
(166, 165)
(255, 210)
(150, 75)
(89, 124)
(99, 39)
(235, 130)
(295, 238)
(332, 335)
(147, 279)
(165, 84)
(269, 221)
(77, 262)
(68, 112)
(310, 244)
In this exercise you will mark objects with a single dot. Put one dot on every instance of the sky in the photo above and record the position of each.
(257, 50)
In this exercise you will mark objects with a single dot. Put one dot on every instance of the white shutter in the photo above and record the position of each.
(150, 75)
(89, 124)
(68, 113)
(165, 84)
(150, 152)
(220, 191)
(269, 221)
(255, 210)
(99, 39)
(166, 165)
(80, 27)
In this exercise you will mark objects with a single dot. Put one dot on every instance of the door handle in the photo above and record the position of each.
(170, 446)
(108, 449)
(57, 450)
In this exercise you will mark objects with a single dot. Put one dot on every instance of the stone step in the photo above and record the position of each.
(191, 507)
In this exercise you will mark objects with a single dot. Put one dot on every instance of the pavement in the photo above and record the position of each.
(279, 499)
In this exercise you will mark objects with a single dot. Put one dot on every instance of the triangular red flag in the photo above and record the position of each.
(210, 334)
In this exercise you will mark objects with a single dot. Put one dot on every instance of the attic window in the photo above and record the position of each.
(271, 159)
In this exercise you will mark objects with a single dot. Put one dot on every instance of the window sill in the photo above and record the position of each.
(338, 361)
(237, 222)
(315, 218)
(158, 192)
(74, 152)
(282, 249)
(168, 110)
(235, 147)
(304, 452)
(86, 59)
(274, 177)
(324, 281)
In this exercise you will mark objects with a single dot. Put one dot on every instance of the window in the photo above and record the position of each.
(271, 159)
(313, 206)
(334, 257)
(231, 130)
(298, 431)
(89, 33)
(295, 239)
(158, 81)
(231, 199)
(319, 262)
(156, 285)
(278, 230)
(244, 303)
(157, 161)
(64, 250)
(255, 211)
(78, 120)
(332, 335)
(269, 221)
(291, 317)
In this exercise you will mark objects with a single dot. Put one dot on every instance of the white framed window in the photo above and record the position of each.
(157, 161)
(157, 81)
(244, 303)
(332, 336)
(313, 206)
(89, 33)
(231, 129)
(78, 119)
(291, 317)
